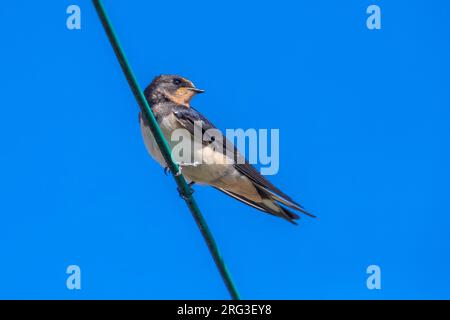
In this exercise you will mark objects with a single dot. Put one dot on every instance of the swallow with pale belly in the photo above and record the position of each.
(169, 97)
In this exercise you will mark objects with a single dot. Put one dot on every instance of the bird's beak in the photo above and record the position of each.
(196, 90)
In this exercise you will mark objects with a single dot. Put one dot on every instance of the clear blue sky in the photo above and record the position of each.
(364, 128)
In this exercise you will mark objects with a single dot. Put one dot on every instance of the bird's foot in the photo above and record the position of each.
(184, 195)
(167, 170)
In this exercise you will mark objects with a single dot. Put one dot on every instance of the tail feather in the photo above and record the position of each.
(288, 203)
(269, 205)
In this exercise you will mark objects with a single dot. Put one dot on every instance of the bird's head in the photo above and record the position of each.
(171, 87)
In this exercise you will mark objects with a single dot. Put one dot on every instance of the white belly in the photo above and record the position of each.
(150, 143)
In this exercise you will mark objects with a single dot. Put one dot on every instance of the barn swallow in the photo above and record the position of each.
(169, 97)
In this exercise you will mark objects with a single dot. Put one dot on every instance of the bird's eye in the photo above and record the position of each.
(177, 81)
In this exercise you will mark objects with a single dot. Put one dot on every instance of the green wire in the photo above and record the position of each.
(165, 149)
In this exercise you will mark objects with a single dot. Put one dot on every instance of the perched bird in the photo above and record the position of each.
(169, 97)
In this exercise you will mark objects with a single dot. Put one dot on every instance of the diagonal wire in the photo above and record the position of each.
(165, 149)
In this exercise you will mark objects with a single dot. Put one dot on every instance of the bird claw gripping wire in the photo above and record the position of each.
(185, 196)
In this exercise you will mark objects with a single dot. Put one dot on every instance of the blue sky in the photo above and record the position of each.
(364, 143)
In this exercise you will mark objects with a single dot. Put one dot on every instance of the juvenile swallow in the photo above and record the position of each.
(169, 97)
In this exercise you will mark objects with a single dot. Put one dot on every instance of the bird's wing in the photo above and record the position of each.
(189, 118)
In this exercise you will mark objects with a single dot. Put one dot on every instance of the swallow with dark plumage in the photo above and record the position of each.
(169, 97)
